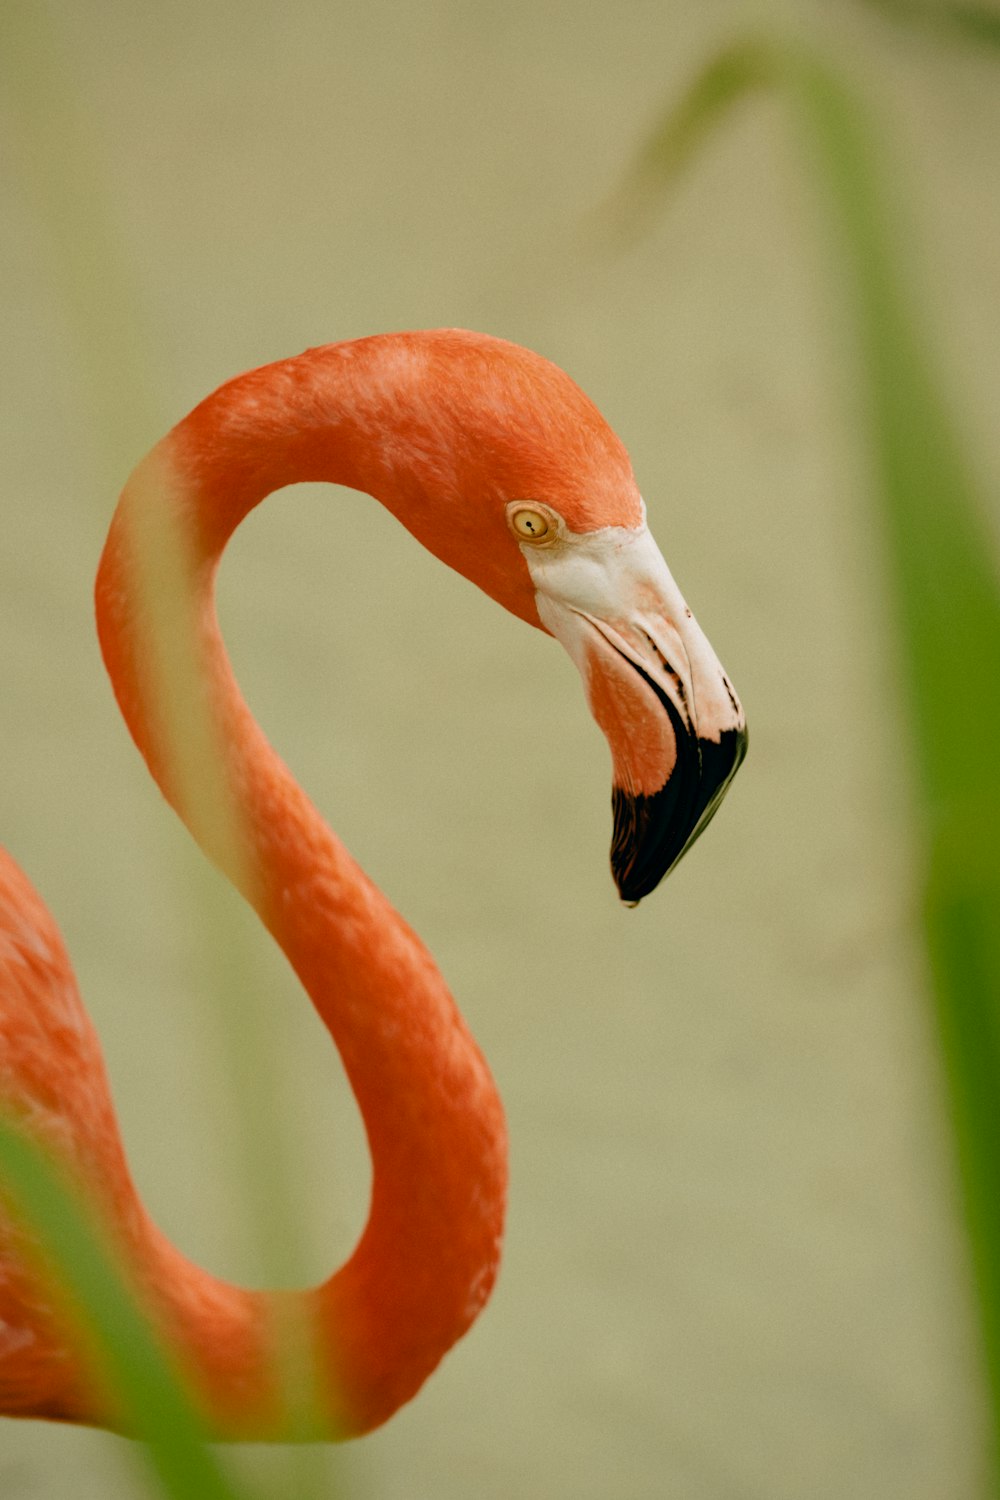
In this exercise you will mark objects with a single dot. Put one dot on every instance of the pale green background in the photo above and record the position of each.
(733, 1267)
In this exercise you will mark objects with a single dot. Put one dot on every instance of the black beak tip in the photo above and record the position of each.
(645, 843)
(651, 833)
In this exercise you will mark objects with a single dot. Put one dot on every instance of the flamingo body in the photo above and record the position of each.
(501, 467)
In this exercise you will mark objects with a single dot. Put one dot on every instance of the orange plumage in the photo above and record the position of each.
(448, 430)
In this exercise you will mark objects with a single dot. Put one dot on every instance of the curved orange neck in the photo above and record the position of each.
(428, 1256)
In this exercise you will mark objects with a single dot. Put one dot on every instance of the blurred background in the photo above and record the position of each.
(734, 1263)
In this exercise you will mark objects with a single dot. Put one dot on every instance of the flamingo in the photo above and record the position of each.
(498, 463)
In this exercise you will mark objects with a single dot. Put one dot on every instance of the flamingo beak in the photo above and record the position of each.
(675, 726)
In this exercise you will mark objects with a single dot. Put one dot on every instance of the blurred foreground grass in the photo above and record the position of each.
(940, 571)
(119, 1346)
(115, 364)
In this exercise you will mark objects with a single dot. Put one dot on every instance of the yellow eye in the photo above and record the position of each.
(530, 524)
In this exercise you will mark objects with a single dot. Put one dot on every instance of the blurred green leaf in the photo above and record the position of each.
(724, 82)
(947, 602)
(74, 1256)
(943, 583)
(63, 175)
(977, 23)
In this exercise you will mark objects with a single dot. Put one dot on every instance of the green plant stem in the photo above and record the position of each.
(947, 601)
(943, 585)
(127, 1359)
(977, 24)
(64, 180)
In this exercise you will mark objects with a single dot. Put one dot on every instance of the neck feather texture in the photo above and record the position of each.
(428, 1256)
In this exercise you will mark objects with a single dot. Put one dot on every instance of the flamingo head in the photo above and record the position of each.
(675, 726)
(514, 478)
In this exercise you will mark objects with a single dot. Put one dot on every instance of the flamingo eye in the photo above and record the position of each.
(529, 524)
